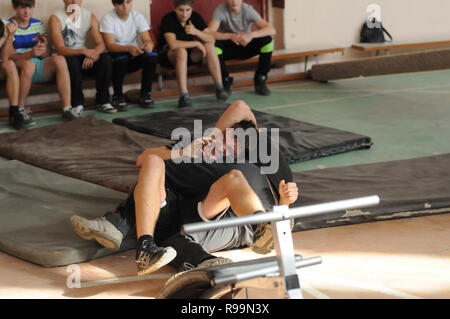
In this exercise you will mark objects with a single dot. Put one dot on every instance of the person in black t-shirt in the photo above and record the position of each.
(192, 192)
(185, 40)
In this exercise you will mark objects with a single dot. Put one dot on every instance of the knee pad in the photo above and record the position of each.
(268, 48)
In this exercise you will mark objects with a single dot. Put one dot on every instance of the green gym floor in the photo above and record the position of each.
(406, 115)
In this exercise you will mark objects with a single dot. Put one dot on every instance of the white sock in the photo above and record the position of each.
(67, 108)
(163, 204)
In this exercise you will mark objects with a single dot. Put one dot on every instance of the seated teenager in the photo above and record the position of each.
(186, 40)
(30, 51)
(166, 197)
(8, 72)
(122, 28)
(69, 30)
(232, 27)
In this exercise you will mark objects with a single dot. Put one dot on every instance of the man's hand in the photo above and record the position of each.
(245, 39)
(147, 47)
(196, 148)
(288, 193)
(91, 54)
(202, 49)
(135, 51)
(38, 51)
(11, 28)
(236, 37)
(191, 29)
(87, 63)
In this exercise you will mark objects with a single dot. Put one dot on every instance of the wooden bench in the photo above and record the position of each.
(388, 46)
(279, 58)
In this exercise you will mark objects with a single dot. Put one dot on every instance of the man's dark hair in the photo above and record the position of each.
(249, 148)
(117, 1)
(2, 28)
(178, 3)
(23, 3)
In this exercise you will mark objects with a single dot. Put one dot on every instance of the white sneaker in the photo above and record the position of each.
(80, 109)
(106, 108)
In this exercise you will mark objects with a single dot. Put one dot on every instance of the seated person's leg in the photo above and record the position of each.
(74, 64)
(56, 65)
(227, 50)
(214, 68)
(264, 48)
(120, 63)
(103, 75)
(148, 65)
(27, 69)
(9, 73)
(179, 59)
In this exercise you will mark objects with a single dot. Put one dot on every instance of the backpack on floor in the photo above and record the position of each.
(374, 34)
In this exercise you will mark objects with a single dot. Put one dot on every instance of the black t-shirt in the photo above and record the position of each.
(171, 24)
(195, 180)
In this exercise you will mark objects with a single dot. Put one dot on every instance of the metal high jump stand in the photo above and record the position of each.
(284, 275)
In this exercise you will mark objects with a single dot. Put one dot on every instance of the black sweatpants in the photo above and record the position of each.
(124, 63)
(191, 249)
(102, 70)
(231, 51)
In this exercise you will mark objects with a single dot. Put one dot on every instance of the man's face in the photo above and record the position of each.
(235, 5)
(67, 3)
(184, 12)
(124, 9)
(24, 14)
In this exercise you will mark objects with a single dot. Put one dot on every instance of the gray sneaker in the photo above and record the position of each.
(71, 114)
(263, 239)
(99, 229)
(205, 264)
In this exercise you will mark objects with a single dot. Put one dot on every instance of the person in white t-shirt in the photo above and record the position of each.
(127, 38)
(69, 28)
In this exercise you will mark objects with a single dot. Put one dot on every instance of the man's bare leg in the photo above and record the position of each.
(148, 195)
(231, 190)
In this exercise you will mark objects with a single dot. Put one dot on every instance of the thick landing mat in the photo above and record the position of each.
(299, 141)
(35, 210)
(400, 63)
(407, 188)
(88, 149)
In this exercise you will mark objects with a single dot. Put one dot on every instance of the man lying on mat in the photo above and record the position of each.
(193, 192)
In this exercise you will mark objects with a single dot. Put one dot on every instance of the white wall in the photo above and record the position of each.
(338, 22)
(314, 24)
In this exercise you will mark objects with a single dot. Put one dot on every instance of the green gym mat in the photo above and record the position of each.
(35, 210)
(88, 149)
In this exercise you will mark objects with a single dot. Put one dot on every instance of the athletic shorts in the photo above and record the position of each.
(163, 58)
(39, 76)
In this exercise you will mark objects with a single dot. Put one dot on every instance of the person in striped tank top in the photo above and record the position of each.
(30, 51)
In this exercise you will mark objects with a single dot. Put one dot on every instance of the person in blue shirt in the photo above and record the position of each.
(30, 51)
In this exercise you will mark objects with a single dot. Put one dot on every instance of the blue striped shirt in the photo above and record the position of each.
(23, 38)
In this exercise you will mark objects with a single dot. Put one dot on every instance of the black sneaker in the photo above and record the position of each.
(71, 114)
(228, 85)
(150, 257)
(146, 101)
(222, 95)
(184, 101)
(260, 85)
(20, 119)
(120, 103)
